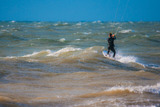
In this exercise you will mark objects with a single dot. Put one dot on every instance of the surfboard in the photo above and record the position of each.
(104, 52)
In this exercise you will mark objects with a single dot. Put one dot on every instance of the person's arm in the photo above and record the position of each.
(114, 36)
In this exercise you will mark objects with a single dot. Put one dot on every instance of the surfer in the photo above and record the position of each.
(111, 44)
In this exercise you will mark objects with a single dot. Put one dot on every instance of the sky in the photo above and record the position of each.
(80, 10)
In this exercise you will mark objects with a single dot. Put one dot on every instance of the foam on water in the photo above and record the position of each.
(96, 21)
(125, 31)
(56, 24)
(60, 24)
(57, 53)
(4, 30)
(13, 21)
(65, 23)
(132, 60)
(86, 33)
(79, 24)
(62, 39)
(155, 89)
(41, 53)
(49, 52)
(63, 50)
(125, 59)
(78, 39)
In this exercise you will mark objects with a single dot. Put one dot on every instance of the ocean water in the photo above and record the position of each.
(60, 64)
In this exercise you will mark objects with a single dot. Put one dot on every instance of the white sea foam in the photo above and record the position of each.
(13, 21)
(60, 24)
(89, 102)
(155, 89)
(86, 33)
(130, 22)
(112, 25)
(38, 26)
(147, 36)
(125, 31)
(37, 53)
(99, 21)
(34, 54)
(64, 50)
(56, 24)
(4, 30)
(125, 59)
(47, 53)
(65, 23)
(10, 57)
(78, 39)
(79, 24)
(62, 39)
(134, 36)
(96, 21)
(29, 55)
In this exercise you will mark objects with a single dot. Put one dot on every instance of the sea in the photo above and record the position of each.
(60, 64)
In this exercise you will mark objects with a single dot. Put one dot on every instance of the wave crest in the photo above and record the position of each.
(63, 50)
(155, 89)
(119, 90)
(125, 31)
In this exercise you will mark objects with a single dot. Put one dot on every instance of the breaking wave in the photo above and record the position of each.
(154, 89)
(75, 55)
(118, 90)
(125, 31)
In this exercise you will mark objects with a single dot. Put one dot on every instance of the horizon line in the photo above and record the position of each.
(72, 21)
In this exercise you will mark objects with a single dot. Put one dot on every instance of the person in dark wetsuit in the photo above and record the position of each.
(111, 44)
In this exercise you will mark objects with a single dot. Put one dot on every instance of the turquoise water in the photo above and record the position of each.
(61, 64)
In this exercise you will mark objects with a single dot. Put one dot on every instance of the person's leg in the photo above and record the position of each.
(114, 52)
(108, 50)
